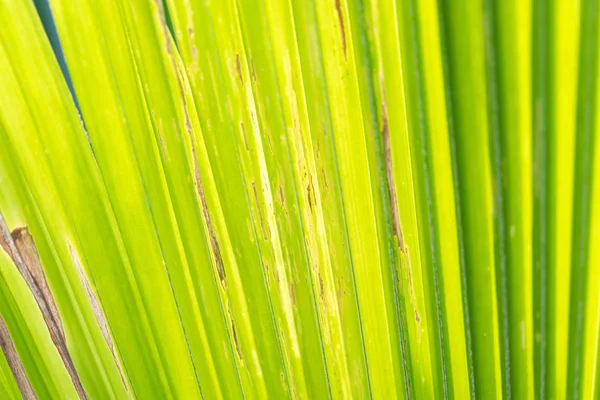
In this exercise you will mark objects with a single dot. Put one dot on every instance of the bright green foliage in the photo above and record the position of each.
(302, 199)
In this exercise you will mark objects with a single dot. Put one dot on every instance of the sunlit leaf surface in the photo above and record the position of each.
(309, 199)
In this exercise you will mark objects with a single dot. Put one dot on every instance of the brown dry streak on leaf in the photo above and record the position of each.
(340, 15)
(252, 71)
(393, 202)
(389, 176)
(21, 249)
(12, 357)
(98, 314)
(260, 217)
(238, 68)
(244, 136)
(293, 293)
(238, 348)
(163, 24)
(214, 243)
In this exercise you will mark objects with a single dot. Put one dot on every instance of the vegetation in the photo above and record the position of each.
(299, 199)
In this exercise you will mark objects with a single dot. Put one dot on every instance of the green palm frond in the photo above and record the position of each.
(299, 199)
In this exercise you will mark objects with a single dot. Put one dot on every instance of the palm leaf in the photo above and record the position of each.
(304, 199)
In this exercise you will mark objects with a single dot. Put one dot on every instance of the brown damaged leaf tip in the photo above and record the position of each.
(21, 249)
